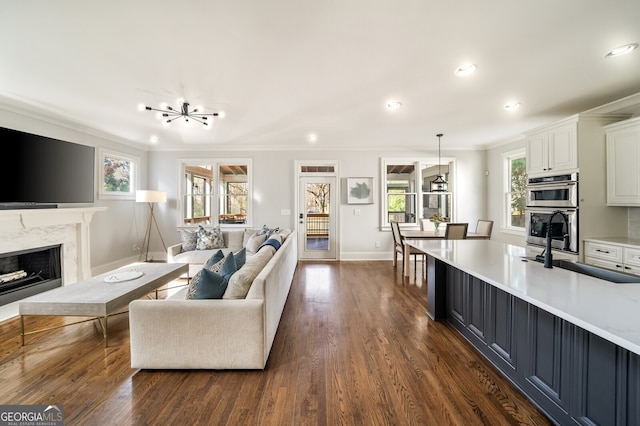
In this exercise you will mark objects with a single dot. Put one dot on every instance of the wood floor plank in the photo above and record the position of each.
(354, 346)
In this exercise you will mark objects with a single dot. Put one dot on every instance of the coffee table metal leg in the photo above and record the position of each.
(22, 331)
(103, 323)
(104, 331)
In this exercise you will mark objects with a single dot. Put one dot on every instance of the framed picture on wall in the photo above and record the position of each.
(434, 201)
(360, 190)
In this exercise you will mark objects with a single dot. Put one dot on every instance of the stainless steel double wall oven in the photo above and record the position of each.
(545, 196)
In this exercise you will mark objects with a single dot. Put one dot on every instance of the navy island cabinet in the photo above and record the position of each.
(574, 376)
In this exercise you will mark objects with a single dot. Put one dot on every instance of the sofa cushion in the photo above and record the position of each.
(240, 257)
(207, 284)
(211, 286)
(214, 264)
(248, 233)
(209, 239)
(284, 233)
(268, 231)
(214, 260)
(274, 241)
(188, 240)
(233, 239)
(254, 242)
(241, 281)
(193, 284)
(197, 257)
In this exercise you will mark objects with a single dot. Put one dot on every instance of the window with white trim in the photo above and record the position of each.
(515, 199)
(118, 175)
(406, 196)
(215, 192)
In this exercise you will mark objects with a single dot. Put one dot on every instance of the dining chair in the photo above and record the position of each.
(427, 225)
(399, 247)
(456, 231)
(484, 227)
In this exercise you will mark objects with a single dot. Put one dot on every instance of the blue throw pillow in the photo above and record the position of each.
(276, 244)
(212, 285)
(240, 257)
(214, 259)
(268, 231)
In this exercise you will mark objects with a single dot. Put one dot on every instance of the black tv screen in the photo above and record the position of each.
(41, 170)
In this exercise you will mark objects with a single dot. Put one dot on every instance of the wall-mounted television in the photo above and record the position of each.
(39, 171)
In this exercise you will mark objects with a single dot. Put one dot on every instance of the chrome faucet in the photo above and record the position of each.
(548, 257)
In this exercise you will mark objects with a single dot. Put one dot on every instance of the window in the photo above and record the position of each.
(405, 193)
(515, 200)
(401, 197)
(216, 192)
(118, 175)
(233, 194)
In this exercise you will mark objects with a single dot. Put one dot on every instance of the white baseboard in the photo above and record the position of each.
(365, 255)
(104, 268)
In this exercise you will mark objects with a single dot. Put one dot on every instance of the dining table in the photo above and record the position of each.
(416, 234)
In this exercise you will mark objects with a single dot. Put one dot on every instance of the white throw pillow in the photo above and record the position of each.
(241, 281)
(254, 242)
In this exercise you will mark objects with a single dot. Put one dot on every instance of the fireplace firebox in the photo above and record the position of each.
(27, 272)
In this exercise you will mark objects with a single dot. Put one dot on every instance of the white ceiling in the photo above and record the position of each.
(282, 69)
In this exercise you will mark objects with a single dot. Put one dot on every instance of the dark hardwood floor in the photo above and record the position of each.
(354, 346)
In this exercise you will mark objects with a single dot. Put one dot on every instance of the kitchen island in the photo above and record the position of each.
(569, 341)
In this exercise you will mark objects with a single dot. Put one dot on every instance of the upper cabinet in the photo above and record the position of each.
(623, 160)
(553, 149)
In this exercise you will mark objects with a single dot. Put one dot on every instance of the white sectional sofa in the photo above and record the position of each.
(234, 240)
(177, 333)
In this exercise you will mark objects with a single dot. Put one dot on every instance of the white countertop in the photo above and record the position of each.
(624, 241)
(609, 310)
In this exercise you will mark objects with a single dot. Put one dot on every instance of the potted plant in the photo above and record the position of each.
(437, 219)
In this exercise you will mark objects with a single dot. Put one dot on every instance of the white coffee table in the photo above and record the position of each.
(98, 298)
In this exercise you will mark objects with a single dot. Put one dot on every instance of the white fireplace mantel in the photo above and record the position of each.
(31, 228)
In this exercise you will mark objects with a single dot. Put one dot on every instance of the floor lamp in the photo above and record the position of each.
(150, 197)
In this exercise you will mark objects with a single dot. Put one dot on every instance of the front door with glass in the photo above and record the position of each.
(317, 217)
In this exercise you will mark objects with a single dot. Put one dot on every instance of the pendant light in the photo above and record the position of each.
(439, 184)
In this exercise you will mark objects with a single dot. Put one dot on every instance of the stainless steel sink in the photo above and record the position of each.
(594, 271)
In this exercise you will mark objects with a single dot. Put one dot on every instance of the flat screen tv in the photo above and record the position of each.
(39, 171)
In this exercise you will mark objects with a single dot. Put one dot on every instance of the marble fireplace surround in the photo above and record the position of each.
(34, 228)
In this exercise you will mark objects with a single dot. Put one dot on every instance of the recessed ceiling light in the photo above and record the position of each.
(312, 137)
(621, 50)
(394, 104)
(153, 139)
(510, 106)
(465, 70)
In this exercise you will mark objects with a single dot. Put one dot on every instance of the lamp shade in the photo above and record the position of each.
(150, 196)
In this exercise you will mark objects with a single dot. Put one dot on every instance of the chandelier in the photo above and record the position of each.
(439, 184)
(168, 114)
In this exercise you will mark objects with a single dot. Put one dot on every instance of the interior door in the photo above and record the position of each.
(317, 217)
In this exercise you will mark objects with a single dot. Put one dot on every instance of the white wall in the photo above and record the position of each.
(114, 232)
(495, 193)
(274, 189)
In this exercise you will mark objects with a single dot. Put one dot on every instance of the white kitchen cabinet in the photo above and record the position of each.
(612, 256)
(553, 149)
(623, 158)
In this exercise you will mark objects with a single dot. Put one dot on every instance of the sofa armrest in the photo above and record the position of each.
(197, 334)
(172, 251)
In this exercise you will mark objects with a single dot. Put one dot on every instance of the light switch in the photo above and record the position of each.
(285, 212)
